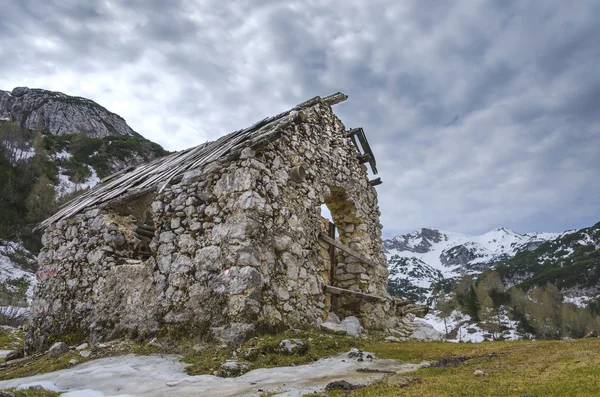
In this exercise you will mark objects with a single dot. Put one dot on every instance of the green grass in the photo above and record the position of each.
(542, 368)
(537, 368)
(263, 352)
(10, 339)
(32, 393)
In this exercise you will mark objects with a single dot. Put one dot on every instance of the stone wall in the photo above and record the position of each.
(235, 251)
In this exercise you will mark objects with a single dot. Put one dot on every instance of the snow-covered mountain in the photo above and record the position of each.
(429, 256)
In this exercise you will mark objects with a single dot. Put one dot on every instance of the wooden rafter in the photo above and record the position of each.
(346, 249)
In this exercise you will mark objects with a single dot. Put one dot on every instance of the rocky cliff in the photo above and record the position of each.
(60, 114)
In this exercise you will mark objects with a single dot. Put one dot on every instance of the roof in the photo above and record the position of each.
(158, 173)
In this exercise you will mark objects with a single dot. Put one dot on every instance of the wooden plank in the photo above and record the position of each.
(364, 158)
(346, 249)
(336, 98)
(333, 265)
(375, 182)
(362, 138)
(342, 291)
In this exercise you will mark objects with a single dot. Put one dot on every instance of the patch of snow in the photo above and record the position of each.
(63, 155)
(580, 301)
(9, 270)
(18, 152)
(469, 331)
(65, 186)
(586, 240)
(155, 375)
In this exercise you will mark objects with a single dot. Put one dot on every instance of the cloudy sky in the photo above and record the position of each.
(481, 113)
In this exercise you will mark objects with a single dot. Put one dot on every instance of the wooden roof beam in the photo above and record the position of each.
(336, 98)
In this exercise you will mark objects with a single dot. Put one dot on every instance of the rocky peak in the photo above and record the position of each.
(60, 114)
(417, 241)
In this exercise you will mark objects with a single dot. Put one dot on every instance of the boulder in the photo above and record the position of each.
(234, 334)
(14, 355)
(293, 347)
(332, 328)
(57, 349)
(340, 385)
(352, 326)
(333, 318)
(231, 368)
(19, 91)
(425, 331)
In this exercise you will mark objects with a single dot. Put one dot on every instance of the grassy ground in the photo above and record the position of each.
(32, 393)
(10, 339)
(542, 368)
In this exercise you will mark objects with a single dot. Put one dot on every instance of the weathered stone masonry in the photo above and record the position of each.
(226, 249)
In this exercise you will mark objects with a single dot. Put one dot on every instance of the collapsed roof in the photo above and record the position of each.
(159, 173)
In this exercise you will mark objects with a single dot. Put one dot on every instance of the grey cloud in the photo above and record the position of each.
(480, 115)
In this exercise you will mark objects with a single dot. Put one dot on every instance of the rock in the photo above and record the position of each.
(231, 368)
(19, 91)
(392, 339)
(85, 353)
(73, 361)
(6, 394)
(333, 318)
(424, 331)
(352, 326)
(14, 355)
(478, 373)
(234, 334)
(332, 328)
(61, 114)
(592, 334)
(340, 385)
(359, 355)
(57, 349)
(293, 347)
(82, 346)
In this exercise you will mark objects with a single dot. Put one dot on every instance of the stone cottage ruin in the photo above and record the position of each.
(224, 239)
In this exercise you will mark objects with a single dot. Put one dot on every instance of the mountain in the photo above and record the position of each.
(571, 262)
(60, 114)
(540, 285)
(428, 257)
(52, 147)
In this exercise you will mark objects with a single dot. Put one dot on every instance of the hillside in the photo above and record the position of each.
(502, 284)
(571, 262)
(52, 147)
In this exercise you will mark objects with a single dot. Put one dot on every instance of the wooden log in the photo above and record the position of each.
(375, 182)
(342, 291)
(336, 98)
(346, 249)
(364, 158)
(352, 132)
(401, 303)
(146, 227)
(144, 232)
